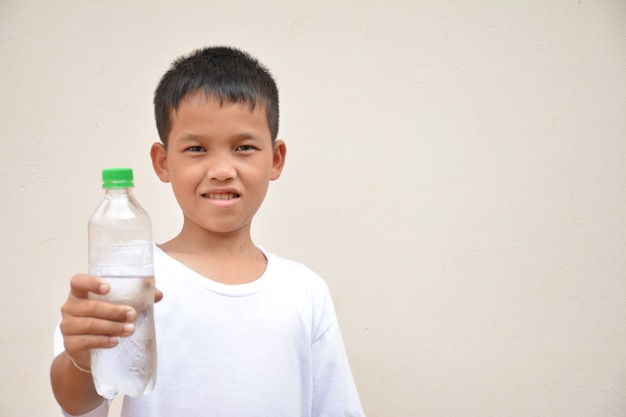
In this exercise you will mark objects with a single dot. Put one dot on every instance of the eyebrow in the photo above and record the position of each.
(192, 137)
(189, 137)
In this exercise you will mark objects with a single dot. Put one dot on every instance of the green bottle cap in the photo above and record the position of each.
(117, 178)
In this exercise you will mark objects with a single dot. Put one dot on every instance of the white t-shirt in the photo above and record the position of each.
(268, 348)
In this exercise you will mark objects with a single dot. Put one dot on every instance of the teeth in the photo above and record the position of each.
(223, 196)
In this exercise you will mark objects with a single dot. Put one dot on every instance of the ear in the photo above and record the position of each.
(158, 154)
(278, 161)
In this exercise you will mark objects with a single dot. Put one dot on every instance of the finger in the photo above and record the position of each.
(86, 326)
(158, 295)
(78, 347)
(81, 285)
(87, 308)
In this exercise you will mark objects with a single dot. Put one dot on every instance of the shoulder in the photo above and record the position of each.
(289, 265)
(302, 285)
(293, 270)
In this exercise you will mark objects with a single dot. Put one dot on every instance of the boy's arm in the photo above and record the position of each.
(73, 389)
(86, 324)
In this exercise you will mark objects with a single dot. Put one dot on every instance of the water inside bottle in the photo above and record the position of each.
(130, 367)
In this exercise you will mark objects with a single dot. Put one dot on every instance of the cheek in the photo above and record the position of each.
(182, 173)
(179, 194)
(261, 187)
(183, 184)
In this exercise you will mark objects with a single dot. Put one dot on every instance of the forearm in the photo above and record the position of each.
(73, 389)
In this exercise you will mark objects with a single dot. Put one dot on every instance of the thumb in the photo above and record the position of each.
(158, 295)
(81, 285)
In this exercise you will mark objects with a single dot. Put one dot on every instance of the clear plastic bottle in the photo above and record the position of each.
(120, 251)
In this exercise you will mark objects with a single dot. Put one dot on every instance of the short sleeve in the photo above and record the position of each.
(334, 389)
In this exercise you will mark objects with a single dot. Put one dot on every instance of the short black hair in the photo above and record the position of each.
(227, 73)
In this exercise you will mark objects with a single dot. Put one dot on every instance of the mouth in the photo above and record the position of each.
(221, 196)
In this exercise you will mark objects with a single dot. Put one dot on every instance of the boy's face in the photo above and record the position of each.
(219, 159)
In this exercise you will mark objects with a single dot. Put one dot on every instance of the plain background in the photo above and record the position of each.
(456, 171)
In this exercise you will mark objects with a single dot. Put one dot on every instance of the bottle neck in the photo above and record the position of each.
(118, 191)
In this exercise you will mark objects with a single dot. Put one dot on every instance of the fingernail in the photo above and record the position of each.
(113, 341)
(131, 315)
(129, 328)
(104, 288)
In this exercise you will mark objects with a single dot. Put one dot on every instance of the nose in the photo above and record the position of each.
(221, 168)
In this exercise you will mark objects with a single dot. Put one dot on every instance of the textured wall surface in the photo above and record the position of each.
(456, 171)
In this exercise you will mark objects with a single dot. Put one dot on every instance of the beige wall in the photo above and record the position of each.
(456, 171)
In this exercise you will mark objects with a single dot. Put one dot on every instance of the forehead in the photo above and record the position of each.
(200, 111)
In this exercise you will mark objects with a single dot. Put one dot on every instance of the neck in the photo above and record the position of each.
(194, 240)
(230, 259)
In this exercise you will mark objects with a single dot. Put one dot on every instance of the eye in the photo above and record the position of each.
(246, 148)
(195, 149)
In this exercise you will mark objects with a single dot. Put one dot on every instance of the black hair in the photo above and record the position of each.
(229, 74)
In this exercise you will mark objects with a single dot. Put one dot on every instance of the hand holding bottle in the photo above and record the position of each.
(92, 324)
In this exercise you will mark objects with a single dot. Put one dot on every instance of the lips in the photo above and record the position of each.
(221, 196)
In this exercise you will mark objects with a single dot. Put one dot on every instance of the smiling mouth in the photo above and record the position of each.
(221, 196)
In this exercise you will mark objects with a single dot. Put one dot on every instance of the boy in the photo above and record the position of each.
(240, 331)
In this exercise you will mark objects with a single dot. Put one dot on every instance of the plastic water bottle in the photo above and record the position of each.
(120, 252)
